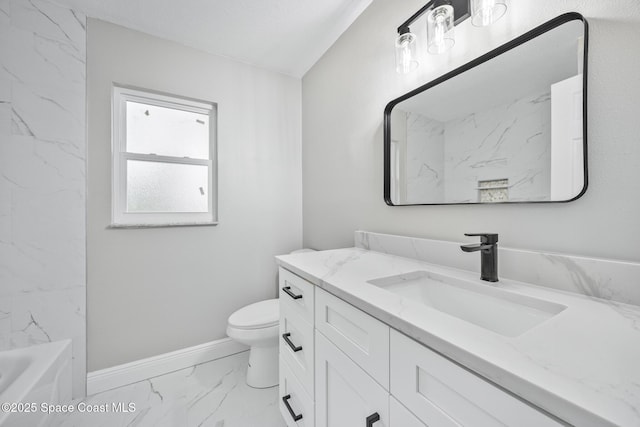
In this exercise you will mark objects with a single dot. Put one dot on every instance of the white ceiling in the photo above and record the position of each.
(287, 36)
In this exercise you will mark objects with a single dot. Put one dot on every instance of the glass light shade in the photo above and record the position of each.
(440, 29)
(486, 12)
(406, 54)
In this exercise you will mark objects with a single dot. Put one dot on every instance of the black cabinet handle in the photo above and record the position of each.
(292, 345)
(372, 419)
(287, 290)
(295, 417)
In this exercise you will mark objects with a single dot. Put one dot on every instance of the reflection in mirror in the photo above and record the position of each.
(507, 127)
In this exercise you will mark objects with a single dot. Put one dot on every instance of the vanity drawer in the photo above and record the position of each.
(296, 294)
(443, 394)
(364, 339)
(297, 346)
(298, 400)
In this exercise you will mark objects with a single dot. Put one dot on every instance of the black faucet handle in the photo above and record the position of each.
(490, 238)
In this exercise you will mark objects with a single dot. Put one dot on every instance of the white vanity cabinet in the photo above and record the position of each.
(355, 371)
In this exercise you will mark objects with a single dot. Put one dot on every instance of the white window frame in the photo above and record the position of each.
(119, 215)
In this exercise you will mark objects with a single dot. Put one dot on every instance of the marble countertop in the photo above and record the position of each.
(582, 365)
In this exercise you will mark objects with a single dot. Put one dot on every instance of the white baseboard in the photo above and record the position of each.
(140, 370)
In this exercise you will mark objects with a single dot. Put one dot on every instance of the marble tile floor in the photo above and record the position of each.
(213, 394)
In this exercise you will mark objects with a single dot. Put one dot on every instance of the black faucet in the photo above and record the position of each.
(488, 247)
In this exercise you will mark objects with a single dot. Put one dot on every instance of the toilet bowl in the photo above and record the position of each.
(257, 325)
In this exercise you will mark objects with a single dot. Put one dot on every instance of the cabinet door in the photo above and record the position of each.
(346, 396)
(401, 417)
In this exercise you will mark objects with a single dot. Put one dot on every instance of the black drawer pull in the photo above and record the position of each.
(295, 417)
(375, 417)
(292, 345)
(287, 290)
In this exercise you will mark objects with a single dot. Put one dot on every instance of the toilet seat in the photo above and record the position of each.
(263, 314)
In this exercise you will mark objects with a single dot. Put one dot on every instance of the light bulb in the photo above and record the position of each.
(440, 30)
(438, 38)
(486, 12)
(406, 53)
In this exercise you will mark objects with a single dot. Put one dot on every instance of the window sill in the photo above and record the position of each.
(179, 224)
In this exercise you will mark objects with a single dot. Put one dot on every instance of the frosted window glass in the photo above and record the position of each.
(166, 187)
(166, 131)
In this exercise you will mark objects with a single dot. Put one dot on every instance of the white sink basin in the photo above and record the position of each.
(487, 306)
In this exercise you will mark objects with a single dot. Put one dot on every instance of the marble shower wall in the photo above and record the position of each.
(42, 177)
(510, 141)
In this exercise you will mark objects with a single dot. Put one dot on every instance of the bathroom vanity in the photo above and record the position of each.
(374, 339)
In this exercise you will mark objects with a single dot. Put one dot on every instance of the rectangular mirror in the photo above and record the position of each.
(508, 127)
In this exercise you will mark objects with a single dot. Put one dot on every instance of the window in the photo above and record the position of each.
(164, 160)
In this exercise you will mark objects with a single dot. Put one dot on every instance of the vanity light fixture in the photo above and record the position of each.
(442, 17)
(486, 12)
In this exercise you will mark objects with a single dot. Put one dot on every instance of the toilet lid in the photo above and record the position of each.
(259, 315)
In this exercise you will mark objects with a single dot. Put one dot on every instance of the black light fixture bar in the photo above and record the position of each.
(461, 11)
(404, 28)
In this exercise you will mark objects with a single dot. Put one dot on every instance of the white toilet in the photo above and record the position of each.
(256, 325)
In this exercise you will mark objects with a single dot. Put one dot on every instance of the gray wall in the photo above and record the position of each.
(345, 93)
(156, 290)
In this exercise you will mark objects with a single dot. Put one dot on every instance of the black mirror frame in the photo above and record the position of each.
(547, 26)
